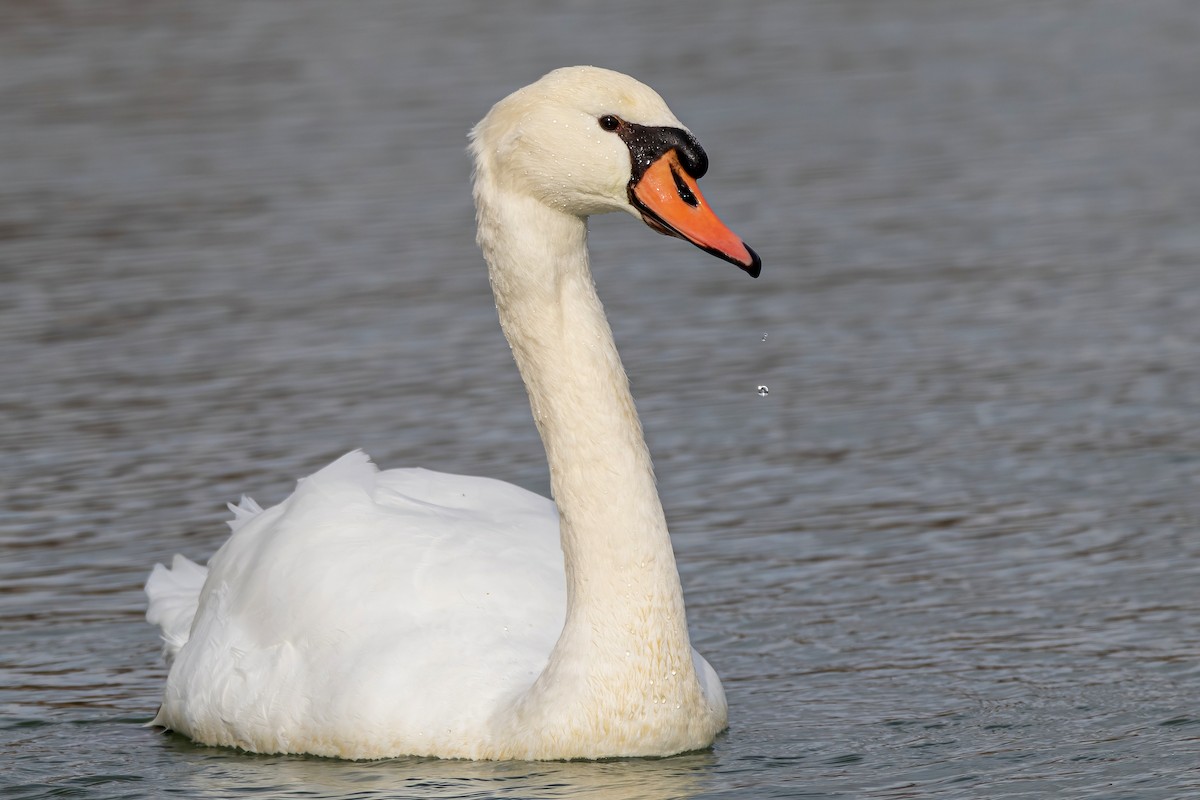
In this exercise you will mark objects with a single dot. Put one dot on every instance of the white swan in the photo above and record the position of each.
(375, 614)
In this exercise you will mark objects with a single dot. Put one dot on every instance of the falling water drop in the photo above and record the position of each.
(763, 391)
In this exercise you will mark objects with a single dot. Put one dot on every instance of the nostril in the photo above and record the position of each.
(685, 191)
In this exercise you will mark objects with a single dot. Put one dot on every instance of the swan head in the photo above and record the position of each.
(586, 140)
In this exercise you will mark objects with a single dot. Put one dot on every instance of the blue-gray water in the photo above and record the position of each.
(953, 553)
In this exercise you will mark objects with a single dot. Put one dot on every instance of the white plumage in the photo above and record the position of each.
(374, 614)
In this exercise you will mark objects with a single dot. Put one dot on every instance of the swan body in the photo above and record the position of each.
(408, 612)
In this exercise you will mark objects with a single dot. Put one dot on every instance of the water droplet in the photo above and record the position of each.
(764, 337)
(763, 391)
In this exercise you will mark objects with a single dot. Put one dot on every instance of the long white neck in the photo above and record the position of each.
(625, 643)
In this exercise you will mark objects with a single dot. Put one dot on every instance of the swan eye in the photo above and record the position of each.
(609, 122)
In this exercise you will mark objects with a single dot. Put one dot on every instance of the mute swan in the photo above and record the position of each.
(408, 612)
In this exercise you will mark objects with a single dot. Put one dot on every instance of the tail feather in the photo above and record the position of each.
(174, 594)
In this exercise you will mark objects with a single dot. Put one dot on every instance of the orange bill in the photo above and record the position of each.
(670, 202)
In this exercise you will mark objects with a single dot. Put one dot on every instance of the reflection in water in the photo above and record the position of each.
(620, 779)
